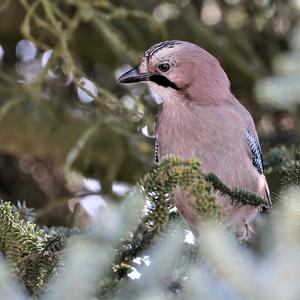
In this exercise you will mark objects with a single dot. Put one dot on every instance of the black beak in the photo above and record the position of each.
(133, 76)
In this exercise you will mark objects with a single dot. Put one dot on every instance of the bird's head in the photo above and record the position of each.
(181, 69)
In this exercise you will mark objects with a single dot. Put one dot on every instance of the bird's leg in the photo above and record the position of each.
(248, 230)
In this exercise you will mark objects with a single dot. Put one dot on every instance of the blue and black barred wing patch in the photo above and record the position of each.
(258, 163)
(257, 159)
(156, 151)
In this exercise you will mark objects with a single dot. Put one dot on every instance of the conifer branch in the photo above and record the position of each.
(238, 196)
(33, 255)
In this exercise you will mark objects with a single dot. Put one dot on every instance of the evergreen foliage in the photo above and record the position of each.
(32, 254)
(35, 255)
(64, 119)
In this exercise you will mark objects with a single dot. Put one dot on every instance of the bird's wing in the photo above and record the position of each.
(258, 163)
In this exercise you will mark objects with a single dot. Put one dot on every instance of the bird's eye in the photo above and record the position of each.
(165, 67)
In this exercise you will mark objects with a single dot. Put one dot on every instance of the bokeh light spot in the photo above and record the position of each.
(89, 91)
(26, 50)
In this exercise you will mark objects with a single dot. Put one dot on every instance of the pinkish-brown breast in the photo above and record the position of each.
(216, 135)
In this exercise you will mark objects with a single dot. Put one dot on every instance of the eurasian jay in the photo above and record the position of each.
(200, 118)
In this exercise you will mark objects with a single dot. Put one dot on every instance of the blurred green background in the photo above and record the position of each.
(69, 133)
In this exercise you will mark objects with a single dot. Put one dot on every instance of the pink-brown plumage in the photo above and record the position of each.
(200, 118)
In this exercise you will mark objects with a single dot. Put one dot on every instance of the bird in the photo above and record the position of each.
(200, 118)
